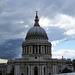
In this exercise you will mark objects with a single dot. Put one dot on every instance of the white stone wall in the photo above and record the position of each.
(17, 70)
(55, 69)
(9, 68)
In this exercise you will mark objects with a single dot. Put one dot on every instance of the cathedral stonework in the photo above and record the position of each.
(36, 55)
(36, 46)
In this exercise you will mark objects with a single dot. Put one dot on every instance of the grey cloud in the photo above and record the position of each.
(55, 33)
(16, 10)
(25, 10)
(11, 48)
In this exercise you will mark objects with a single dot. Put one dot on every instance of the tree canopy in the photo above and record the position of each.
(66, 70)
(12, 71)
(74, 64)
(0, 72)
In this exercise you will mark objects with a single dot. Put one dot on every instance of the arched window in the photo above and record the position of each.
(35, 71)
(44, 70)
(27, 70)
(49, 73)
(21, 73)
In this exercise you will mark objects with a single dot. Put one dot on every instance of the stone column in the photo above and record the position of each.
(31, 70)
(9, 68)
(32, 50)
(23, 50)
(28, 70)
(41, 49)
(26, 49)
(46, 49)
(35, 49)
(25, 73)
(29, 49)
(38, 49)
(49, 50)
(17, 70)
(42, 70)
(46, 71)
(53, 69)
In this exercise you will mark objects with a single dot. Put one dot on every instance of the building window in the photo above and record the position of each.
(44, 70)
(49, 73)
(35, 71)
(21, 73)
(27, 70)
(35, 57)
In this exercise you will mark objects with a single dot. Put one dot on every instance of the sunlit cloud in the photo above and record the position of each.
(54, 42)
(45, 22)
(70, 32)
(3, 61)
(61, 20)
(57, 41)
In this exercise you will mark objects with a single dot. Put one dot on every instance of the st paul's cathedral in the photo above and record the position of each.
(36, 55)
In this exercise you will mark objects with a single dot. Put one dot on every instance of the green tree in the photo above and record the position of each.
(12, 71)
(66, 70)
(73, 64)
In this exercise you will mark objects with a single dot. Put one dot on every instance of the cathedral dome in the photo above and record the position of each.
(36, 31)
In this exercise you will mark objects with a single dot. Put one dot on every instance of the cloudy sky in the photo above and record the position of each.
(57, 17)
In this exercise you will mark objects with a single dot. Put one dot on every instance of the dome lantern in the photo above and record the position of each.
(36, 19)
